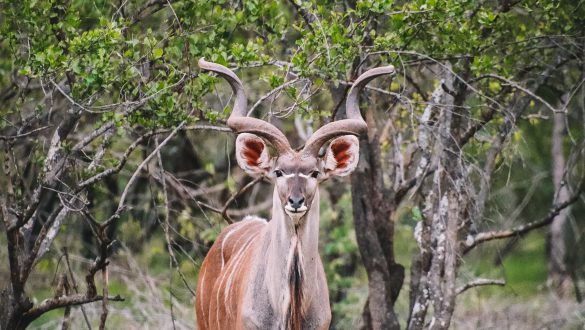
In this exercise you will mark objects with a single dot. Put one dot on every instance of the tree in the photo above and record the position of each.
(99, 104)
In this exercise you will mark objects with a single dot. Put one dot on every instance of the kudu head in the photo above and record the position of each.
(296, 174)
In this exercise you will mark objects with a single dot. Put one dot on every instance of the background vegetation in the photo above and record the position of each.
(117, 165)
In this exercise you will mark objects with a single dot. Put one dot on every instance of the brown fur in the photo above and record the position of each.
(214, 313)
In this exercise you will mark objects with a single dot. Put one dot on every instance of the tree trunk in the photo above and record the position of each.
(559, 278)
(372, 210)
(445, 211)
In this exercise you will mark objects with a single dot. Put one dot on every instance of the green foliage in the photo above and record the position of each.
(136, 66)
(340, 253)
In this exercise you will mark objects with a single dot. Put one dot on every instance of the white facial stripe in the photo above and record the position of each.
(292, 175)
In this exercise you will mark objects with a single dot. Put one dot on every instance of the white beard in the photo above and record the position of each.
(296, 216)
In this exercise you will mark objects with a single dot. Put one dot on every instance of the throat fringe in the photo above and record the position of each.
(295, 310)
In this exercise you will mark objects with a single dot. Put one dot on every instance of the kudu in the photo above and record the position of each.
(268, 275)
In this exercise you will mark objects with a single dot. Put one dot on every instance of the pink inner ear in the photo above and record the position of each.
(340, 151)
(252, 152)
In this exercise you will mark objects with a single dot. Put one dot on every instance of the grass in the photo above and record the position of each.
(147, 302)
(540, 311)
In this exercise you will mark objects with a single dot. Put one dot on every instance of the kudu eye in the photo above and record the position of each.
(315, 174)
(278, 173)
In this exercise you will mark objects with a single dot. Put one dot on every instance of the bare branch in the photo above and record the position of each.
(443, 66)
(135, 174)
(52, 166)
(525, 90)
(524, 229)
(22, 135)
(63, 301)
(122, 161)
(235, 195)
(63, 288)
(479, 282)
(105, 287)
(99, 155)
(93, 135)
(146, 10)
(166, 225)
(272, 92)
(74, 284)
(69, 98)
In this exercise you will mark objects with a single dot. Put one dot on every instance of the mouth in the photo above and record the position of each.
(295, 212)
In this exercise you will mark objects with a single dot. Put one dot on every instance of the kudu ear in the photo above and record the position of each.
(342, 156)
(252, 154)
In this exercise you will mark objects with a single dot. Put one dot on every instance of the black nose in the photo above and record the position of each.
(296, 202)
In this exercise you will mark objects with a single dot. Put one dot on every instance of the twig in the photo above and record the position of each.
(525, 90)
(59, 302)
(104, 315)
(523, 229)
(68, 97)
(143, 12)
(74, 283)
(272, 92)
(253, 209)
(486, 117)
(139, 168)
(442, 65)
(166, 226)
(122, 161)
(235, 195)
(64, 289)
(479, 282)
(18, 136)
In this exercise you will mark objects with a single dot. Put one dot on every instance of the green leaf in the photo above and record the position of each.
(157, 53)
(416, 214)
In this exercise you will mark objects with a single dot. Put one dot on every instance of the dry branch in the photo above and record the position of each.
(224, 212)
(523, 89)
(63, 301)
(479, 282)
(22, 135)
(526, 228)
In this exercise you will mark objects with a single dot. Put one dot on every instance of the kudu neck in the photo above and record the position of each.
(292, 256)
